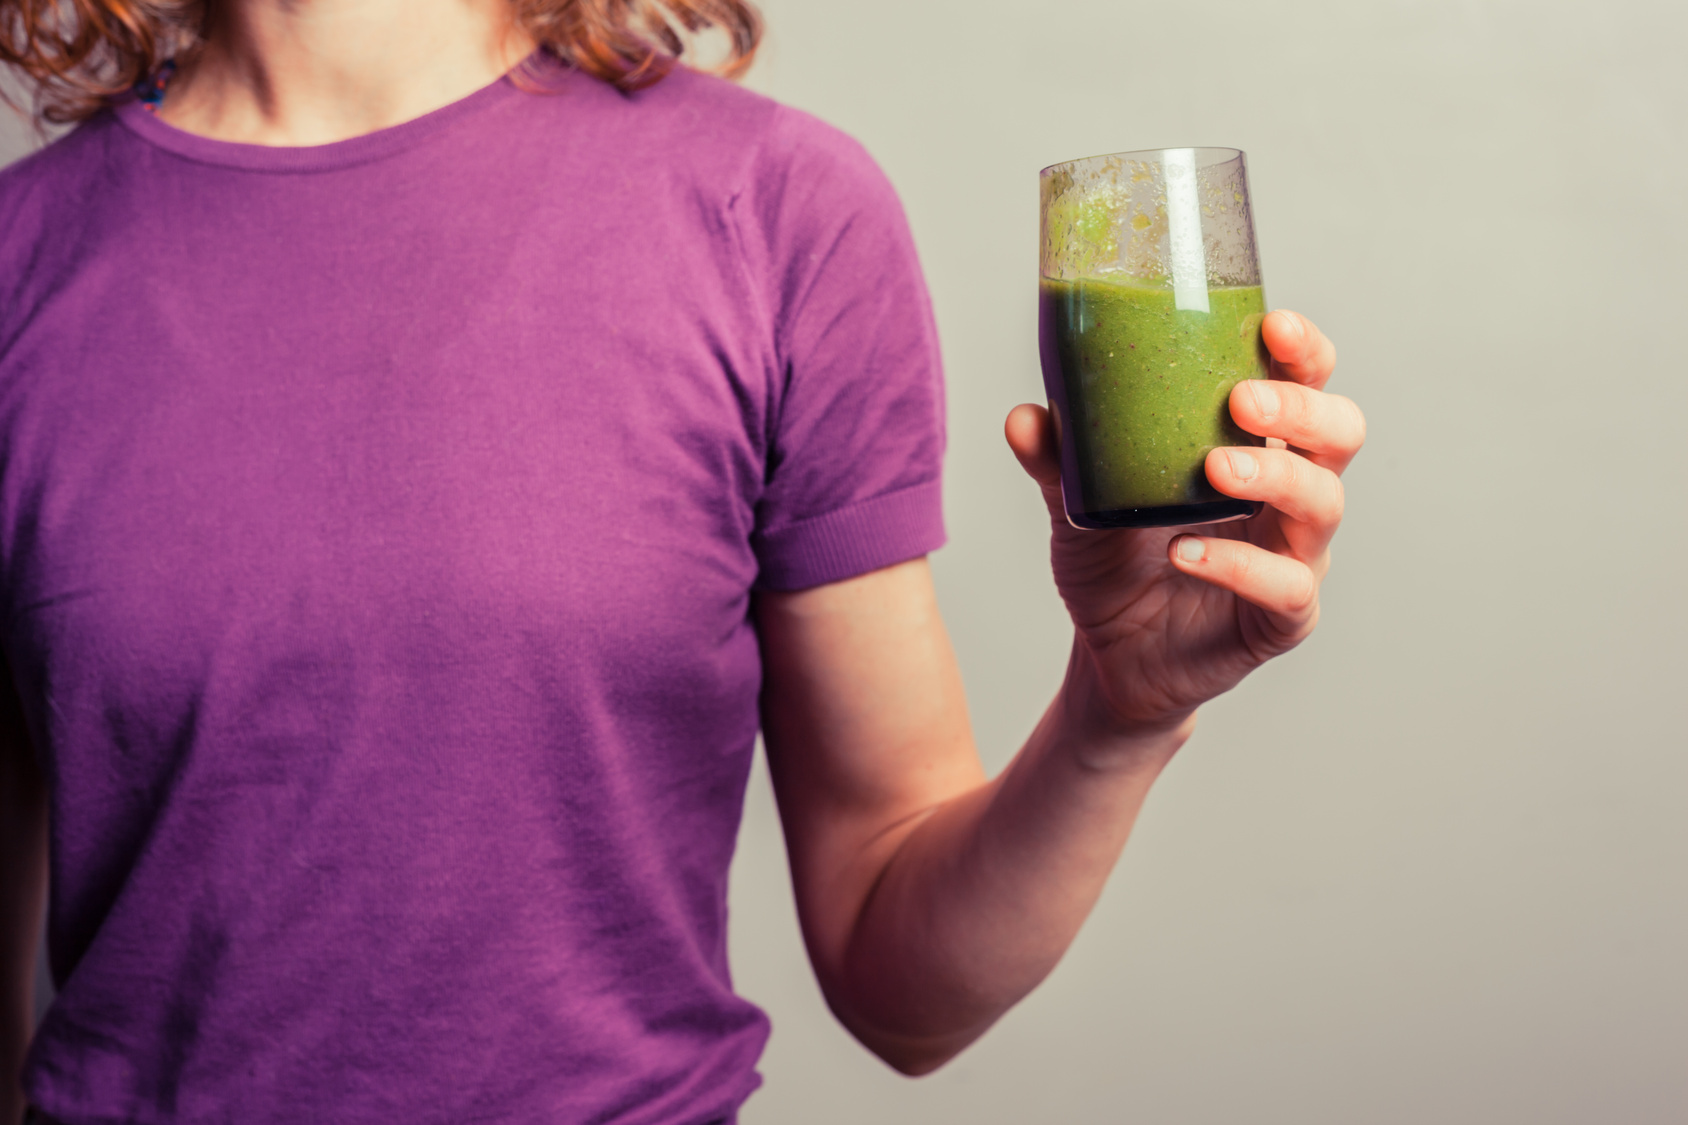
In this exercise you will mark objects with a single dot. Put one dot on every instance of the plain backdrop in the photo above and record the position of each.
(1429, 867)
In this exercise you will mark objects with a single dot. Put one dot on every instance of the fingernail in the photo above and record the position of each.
(1191, 549)
(1265, 397)
(1296, 327)
(1243, 467)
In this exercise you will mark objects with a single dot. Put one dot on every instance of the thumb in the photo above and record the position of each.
(1031, 436)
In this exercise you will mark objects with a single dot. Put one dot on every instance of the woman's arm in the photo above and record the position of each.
(931, 899)
(23, 885)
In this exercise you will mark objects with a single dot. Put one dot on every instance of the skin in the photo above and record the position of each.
(932, 897)
(311, 72)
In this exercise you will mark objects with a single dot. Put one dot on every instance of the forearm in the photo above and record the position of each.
(23, 884)
(978, 902)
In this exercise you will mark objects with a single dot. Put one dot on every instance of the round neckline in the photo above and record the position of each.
(317, 158)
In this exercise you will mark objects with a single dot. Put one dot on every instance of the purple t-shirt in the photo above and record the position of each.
(378, 525)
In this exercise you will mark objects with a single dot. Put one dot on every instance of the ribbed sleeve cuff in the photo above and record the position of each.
(865, 536)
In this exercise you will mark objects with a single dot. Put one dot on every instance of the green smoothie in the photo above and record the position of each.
(1142, 386)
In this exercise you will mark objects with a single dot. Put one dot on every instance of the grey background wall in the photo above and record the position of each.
(1431, 866)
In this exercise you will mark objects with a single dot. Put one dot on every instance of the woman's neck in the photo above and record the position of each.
(310, 72)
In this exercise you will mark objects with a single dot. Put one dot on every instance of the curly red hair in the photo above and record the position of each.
(80, 54)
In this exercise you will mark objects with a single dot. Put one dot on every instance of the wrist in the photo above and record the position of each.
(1104, 736)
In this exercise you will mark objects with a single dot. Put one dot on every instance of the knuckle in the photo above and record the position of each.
(1325, 421)
(1336, 501)
(1304, 423)
(1356, 436)
(1303, 594)
(1242, 567)
(1291, 471)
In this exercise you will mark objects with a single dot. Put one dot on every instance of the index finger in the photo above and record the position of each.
(1300, 352)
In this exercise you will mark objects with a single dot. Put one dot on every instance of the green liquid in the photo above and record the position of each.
(1143, 387)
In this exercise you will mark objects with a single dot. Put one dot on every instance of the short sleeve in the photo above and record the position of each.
(856, 449)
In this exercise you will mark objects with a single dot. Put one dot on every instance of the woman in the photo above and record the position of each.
(424, 471)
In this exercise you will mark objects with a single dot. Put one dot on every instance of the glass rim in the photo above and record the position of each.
(1141, 153)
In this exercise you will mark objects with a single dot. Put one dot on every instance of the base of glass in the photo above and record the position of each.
(1173, 515)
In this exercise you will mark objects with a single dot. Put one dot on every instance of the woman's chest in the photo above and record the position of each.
(488, 449)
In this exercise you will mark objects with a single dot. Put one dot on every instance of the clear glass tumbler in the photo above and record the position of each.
(1150, 305)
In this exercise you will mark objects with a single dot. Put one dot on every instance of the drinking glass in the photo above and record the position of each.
(1150, 305)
